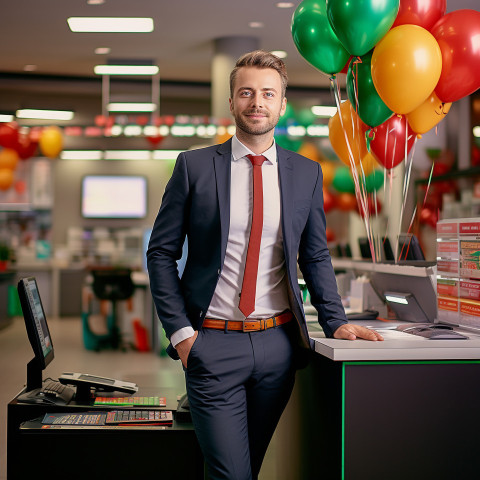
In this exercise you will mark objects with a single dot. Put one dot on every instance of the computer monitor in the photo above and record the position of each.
(37, 331)
(409, 247)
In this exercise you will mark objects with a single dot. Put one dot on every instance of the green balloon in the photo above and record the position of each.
(360, 24)
(288, 142)
(343, 181)
(371, 108)
(314, 37)
(288, 118)
(306, 117)
(374, 181)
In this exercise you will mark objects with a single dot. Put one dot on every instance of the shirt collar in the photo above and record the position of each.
(239, 150)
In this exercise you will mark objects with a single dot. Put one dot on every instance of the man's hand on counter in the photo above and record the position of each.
(351, 331)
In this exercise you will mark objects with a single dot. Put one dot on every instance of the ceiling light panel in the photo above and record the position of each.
(126, 69)
(44, 114)
(111, 24)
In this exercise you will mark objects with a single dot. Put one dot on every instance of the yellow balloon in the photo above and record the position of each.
(51, 141)
(6, 178)
(368, 164)
(406, 66)
(431, 112)
(328, 170)
(310, 151)
(8, 158)
(353, 128)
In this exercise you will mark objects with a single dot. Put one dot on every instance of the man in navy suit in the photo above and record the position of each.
(240, 362)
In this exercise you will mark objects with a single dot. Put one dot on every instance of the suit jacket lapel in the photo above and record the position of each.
(222, 165)
(285, 172)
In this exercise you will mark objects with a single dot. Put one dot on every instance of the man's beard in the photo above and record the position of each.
(252, 128)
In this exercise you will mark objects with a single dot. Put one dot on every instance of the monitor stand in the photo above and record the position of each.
(34, 375)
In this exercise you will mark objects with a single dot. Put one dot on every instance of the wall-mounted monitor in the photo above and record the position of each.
(114, 196)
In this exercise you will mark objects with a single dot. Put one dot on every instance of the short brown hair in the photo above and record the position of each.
(260, 59)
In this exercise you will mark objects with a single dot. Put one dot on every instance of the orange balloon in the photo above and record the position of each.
(406, 66)
(431, 112)
(222, 138)
(8, 158)
(368, 165)
(51, 141)
(349, 125)
(346, 201)
(310, 151)
(328, 170)
(6, 178)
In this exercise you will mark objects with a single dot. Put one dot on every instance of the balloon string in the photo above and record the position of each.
(358, 193)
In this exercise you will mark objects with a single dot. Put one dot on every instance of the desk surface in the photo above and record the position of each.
(396, 346)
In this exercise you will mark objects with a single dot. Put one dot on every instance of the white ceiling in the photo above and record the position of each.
(36, 32)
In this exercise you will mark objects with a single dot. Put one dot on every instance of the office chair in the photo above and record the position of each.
(110, 285)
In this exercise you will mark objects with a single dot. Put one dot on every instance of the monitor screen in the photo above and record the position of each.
(114, 196)
(35, 321)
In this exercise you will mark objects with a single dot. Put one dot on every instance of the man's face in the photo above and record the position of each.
(257, 101)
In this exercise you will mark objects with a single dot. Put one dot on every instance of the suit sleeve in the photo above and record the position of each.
(316, 266)
(165, 248)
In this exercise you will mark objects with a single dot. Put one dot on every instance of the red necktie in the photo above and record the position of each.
(249, 285)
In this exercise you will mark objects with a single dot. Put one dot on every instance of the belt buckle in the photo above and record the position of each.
(252, 328)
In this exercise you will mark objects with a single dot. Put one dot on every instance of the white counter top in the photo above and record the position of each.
(397, 346)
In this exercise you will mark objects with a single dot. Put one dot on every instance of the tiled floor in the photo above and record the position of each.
(70, 355)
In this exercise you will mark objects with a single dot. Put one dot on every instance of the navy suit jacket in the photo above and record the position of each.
(196, 204)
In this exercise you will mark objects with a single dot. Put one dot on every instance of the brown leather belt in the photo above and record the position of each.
(249, 325)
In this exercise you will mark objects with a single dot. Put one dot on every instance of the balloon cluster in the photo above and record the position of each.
(21, 146)
(406, 62)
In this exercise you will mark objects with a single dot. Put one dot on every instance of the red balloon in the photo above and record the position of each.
(330, 235)
(8, 135)
(440, 168)
(346, 201)
(388, 144)
(26, 147)
(457, 34)
(328, 200)
(372, 210)
(424, 13)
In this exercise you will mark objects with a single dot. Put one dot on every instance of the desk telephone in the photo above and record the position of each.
(51, 392)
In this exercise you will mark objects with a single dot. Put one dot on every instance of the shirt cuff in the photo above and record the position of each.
(181, 335)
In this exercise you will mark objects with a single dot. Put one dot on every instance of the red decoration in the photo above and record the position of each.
(155, 140)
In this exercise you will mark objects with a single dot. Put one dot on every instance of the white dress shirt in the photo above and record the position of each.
(271, 294)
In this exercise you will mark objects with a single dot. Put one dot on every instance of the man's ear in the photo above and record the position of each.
(284, 106)
(230, 102)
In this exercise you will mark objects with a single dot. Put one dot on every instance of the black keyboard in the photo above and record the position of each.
(139, 416)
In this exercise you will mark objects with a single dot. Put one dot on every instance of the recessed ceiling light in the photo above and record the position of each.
(110, 24)
(126, 69)
(102, 50)
(131, 107)
(256, 24)
(95, 2)
(29, 68)
(44, 114)
(279, 53)
(284, 4)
